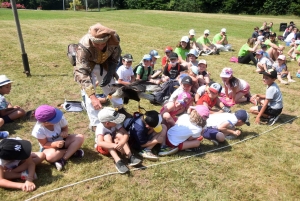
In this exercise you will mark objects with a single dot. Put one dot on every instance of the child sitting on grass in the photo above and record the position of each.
(271, 103)
(125, 72)
(8, 113)
(17, 162)
(282, 72)
(203, 75)
(51, 130)
(111, 138)
(211, 98)
(186, 133)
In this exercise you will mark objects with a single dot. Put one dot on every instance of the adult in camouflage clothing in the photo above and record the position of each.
(96, 63)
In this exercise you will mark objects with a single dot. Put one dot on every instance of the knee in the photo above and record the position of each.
(1, 122)
(22, 112)
(252, 109)
(80, 138)
(220, 137)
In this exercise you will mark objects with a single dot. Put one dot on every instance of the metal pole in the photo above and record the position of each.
(24, 55)
(86, 5)
(63, 4)
(74, 5)
(99, 5)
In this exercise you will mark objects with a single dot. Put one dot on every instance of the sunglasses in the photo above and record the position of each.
(206, 34)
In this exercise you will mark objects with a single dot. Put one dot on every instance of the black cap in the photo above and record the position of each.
(263, 46)
(187, 80)
(128, 57)
(272, 34)
(271, 73)
(173, 55)
(11, 149)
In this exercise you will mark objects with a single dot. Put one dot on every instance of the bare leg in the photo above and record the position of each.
(190, 144)
(73, 143)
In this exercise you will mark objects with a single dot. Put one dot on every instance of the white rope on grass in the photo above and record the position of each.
(162, 163)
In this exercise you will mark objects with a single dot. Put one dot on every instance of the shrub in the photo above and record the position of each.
(8, 5)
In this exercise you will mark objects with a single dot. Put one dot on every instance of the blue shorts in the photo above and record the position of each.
(210, 133)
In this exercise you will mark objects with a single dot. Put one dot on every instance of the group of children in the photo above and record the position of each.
(197, 109)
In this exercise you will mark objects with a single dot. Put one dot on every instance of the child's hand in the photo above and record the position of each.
(119, 146)
(16, 106)
(237, 132)
(257, 120)
(64, 134)
(28, 186)
(59, 144)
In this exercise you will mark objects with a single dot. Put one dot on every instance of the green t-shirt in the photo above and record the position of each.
(244, 50)
(267, 43)
(139, 71)
(192, 40)
(217, 38)
(298, 55)
(203, 41)
(181, 52)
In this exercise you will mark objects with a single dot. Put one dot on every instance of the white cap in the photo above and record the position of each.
(223, 30)
(297, 42)
(261, 38)
(185, 39)
(206, 31)
(192, 32)
(193, 52)
(108, 114)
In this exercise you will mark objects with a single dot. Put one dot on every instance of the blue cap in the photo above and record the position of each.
(154, 53)
(243, 116)
(147, 57)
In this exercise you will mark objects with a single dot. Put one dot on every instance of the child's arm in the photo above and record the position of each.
(56, 144)
(124, 139)
(104, 144)
(7, 111)
(4, 183)
(224, 129)
(29, 185)
(263, 109)
(64, 132)
(233, 93)
(120, 81)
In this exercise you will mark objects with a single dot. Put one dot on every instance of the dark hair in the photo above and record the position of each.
(233, 80)
(151, 118)
(250, 42)
(188, 45)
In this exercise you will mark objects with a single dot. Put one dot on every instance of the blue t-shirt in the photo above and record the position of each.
(273, 94)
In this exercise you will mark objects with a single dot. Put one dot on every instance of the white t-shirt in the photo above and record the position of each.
(273, 93)
(125, 73)
(41, 132)
(101, 130)
(182, 130)
(289, 38)
(215, 120)
(242, 85)
(265, 60)
(201, 90)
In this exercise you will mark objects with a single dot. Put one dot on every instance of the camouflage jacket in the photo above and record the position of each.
(87, 59)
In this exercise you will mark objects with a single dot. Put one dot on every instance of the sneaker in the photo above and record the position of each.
(24, 175)
(230, 137)
(60, 164)
(226, 109)
(215, 142)
(165, 150)
(272, 120)
(284, 82)
(78, 154)
(134, 161)
(121, 167)
(148, 155)
(291, 81)
(4, 134)
(197, 149)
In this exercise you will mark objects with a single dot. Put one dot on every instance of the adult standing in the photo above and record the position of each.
(96, 62)
(221, 42)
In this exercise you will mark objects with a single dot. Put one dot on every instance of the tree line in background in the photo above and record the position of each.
(281, 7)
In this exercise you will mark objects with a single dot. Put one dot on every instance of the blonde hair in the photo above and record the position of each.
(197, 119)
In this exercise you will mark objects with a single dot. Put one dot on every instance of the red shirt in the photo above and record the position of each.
(206, 98)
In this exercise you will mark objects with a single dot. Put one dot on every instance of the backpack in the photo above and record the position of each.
(137, 131)
(72, 50)
(170, 66)
(142, 73)
(167, 88)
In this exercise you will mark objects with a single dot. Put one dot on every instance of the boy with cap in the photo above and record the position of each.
(144, 70)
(52, 132)
(166, 59)
(263, 63)
(125, 72)
(221, 42)
(112, 137)
(205, 43)
(8, 113)
(211, 98)
(154, 56)
(225, 124)
(188, 129)
(17, 161)
(173, 69)
(271, 103)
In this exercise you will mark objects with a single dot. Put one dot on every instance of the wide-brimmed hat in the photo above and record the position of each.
(4, 80)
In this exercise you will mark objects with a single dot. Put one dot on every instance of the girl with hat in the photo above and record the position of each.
(282, 72)
(52, 132)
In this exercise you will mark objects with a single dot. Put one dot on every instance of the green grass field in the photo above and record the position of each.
(265, 167)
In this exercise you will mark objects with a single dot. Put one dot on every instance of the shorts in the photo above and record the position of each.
(102, 151)
(270, 111)
(6, 119)
(169, 144)
(246, 90)
(210, 133)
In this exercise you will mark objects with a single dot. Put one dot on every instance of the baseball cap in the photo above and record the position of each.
(11, 149)
(223, 30)
(185, 39)
(47, 113)
(108, 114)
(154, 53)
(4, 80)
(261, 38)
(173, 55)
(186, 80)
(259, 52)
(215, 87)
(206, 31)
(243, 116)
(193, 52)
(147, 57)
(271, 73)
(128, 57)
(226, 72)
(192, 32)
(168, 49)
(195, 70)
(282, 57)
(202, 61)
(183, 98)
(263, 46)
(202, 110)
(297, 42)
(153, 119)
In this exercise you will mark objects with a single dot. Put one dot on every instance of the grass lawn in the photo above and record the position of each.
(266, 167)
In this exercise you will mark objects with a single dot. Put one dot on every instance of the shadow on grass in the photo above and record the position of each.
(12, 128)
(44, 171)
(286, 117)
